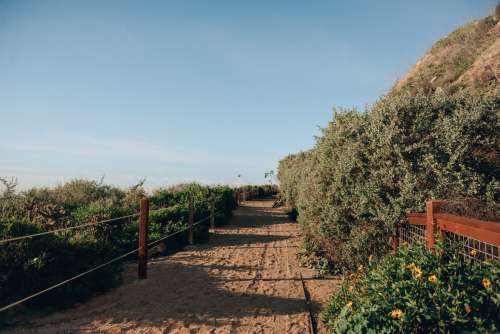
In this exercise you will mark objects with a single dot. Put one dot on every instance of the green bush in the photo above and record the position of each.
(292, 175)
(166, 221)
(30, 265)
(258, 191)
(367, 170)
(417, 291)
(224, 197)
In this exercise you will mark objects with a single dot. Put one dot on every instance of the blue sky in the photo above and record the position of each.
(175, 91)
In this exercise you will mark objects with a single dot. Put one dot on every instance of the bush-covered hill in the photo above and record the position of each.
(367, 169)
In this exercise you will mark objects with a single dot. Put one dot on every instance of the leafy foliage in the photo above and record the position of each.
(367, 170)
(30, 265)
(417, 291)
(258, 191)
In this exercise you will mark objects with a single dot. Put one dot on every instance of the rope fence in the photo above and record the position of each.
(4, 308)
(142, 249)
(30, 236)
(34, 235)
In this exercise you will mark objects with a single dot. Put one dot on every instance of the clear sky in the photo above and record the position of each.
(176, 91)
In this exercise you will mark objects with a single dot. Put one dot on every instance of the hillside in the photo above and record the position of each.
(367, 170)
(469, 57)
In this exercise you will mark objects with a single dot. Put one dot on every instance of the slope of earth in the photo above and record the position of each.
(469, 57)
(247, 279)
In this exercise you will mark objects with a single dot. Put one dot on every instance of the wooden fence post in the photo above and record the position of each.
(432, 207)
(190, 221)
(395, 239)
(143, 239)
(212, 212)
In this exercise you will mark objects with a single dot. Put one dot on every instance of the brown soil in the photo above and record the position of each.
(245, 280)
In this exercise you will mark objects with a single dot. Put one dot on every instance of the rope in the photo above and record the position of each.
(183, 230)
(4, 308)
(166, 207)
(3, 241)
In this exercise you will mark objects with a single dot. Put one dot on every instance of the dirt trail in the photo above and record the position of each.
(245, 280)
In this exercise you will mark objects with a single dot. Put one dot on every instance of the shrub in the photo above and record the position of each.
(166, 221)
(258, 191)
(224, 198)
(30, 265)
(417, 291)
(291, 174)
(367, 170)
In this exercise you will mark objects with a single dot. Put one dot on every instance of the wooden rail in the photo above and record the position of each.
(486, 231)
(437, 223)
(416, 218)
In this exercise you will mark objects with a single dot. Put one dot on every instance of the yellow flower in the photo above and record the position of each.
(417, 273)
(411, 266)
(397, 314)
(349, 304)
(360, 268)
(467, 308)
(404, 243)
(473, 252)
(370, 258)
(486, 282)
(350, 289)
(433, 279)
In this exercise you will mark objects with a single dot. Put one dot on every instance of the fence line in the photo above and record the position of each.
(142, 246)
(480, 238)
(34, 235)
(183, 230)
(66, 281)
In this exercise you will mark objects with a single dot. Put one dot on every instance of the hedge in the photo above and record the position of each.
(30, 265)
(368, 169)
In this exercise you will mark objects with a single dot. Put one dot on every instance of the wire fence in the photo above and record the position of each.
(473, 249)
(470, 248)
(116, 259)
(476, 240)
(412, 234)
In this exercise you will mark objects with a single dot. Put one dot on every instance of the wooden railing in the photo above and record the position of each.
(479, 235)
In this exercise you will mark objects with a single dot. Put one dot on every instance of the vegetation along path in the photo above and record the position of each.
(247, 279)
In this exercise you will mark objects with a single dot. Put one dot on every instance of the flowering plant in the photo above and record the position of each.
(418, 291)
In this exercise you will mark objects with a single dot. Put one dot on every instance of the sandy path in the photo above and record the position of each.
(245, 280)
